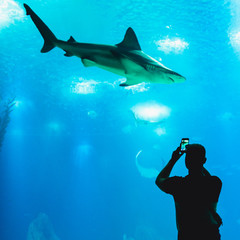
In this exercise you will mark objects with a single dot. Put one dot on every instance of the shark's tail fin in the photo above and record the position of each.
(48, 36)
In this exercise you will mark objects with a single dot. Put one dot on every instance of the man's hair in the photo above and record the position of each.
(195, 155)
(196, 150)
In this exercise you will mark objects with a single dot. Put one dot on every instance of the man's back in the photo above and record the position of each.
(195, 199)
(195, 196)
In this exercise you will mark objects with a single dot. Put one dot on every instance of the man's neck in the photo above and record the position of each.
(196, 173)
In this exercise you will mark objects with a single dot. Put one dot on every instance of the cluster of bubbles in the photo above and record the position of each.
(172, 45)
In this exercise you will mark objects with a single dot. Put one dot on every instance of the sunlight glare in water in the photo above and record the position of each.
(175, 45)
(9, 12)
(234, 30)
(18, 103)
(54, 126)
(235, 40)
(142, 87)
(160, 131)
(82, 154)
(150, 112)
(83, 86)
(92, 114)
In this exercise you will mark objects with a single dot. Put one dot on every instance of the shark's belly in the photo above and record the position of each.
(103, 60)
(163, 76)
(160, 78)
(152, 77)
(110, 64)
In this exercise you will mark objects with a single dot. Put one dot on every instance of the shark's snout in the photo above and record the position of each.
(176, 78)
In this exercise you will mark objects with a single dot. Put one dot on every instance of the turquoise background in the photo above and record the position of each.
(72, 156)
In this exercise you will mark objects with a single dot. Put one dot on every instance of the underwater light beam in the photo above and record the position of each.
(150, 112)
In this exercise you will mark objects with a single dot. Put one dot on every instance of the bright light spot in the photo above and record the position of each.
(142, 87)
(127, 238)
(54, 126)
(18, 103)
(150, 112)
(160, 131)
(10, 12)
(235, 40)
(234, 30)
(175, 45)
(84, 148)
(22, 104)
(83, 86)
(82, 154)
(92, 114)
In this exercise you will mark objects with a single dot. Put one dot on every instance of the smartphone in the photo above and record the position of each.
(184, 143)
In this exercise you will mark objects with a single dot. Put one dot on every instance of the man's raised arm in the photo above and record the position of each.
(165, 173)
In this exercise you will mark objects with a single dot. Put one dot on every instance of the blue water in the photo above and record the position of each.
(72, 155)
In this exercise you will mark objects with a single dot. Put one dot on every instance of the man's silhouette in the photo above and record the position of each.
(195, 195)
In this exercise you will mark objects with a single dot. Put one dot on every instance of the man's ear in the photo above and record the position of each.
(205, 159)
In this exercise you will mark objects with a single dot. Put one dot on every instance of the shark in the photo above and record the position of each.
(125, 59)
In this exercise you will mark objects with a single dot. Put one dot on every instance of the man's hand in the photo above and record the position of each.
(176, 154)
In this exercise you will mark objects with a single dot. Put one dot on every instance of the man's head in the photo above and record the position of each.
(195, 157)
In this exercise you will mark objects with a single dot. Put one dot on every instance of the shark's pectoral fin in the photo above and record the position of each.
(132, 69)
(88, 63)
(129, 65)
(130, 82)
(127, 83)
(123, 84)
(68, 54)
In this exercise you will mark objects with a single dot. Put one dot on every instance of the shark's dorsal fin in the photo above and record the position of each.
(71, 40)
(130, 40)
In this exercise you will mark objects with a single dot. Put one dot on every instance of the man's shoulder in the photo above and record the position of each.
(213, 179)
(213, 183)
(170, 184)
